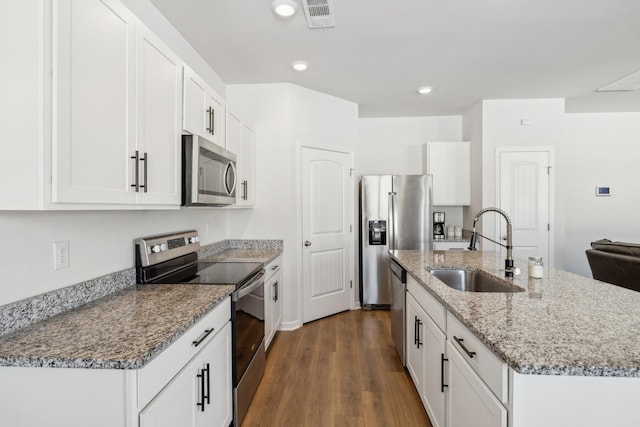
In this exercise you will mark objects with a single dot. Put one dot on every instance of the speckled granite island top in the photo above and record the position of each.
(563, 324)
(124, 330)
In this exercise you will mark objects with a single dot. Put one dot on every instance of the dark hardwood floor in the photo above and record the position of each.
(339, 371)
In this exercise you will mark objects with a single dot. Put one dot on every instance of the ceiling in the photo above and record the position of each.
(380, 52)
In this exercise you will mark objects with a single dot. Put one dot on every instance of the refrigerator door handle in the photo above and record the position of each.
(392, 220)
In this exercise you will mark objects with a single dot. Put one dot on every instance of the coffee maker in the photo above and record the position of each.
(438, 226)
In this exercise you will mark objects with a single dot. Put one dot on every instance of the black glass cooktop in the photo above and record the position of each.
(226, 273)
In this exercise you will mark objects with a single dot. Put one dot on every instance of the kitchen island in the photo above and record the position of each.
(570, 345)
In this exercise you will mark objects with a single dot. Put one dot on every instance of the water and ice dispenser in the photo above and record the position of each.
(378, 232)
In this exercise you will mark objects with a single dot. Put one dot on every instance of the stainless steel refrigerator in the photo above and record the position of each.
(395, 213)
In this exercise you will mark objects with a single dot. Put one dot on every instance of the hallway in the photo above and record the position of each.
(342, 370)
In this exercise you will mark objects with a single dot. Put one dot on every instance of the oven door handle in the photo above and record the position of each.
(250, 287)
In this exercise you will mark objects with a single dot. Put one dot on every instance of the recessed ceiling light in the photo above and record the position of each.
(423, 90)
(300, 65)
(284, 8)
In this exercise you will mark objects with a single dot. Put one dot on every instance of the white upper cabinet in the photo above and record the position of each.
(159, 128)
(204, 112)
(450, 165)
(241, 142)
(93, 109)
(94, 112)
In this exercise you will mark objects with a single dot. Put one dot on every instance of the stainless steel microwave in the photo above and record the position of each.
(208, 173)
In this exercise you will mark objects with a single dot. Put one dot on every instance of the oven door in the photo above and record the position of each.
(249, 324)
(209, 173)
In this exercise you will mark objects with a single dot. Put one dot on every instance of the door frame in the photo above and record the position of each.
(536, 148)
(306, 144)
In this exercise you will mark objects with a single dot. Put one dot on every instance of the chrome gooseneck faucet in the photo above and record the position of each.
(508, 262)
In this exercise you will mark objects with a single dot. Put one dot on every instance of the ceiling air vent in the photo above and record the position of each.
(631, 82)
(319, 13)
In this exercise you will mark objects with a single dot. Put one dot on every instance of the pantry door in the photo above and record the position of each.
(524, 193)
(327, 236)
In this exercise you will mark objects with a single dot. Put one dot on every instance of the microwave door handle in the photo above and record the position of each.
(230, 169)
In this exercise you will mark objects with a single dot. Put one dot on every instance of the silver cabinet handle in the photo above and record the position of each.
(136, 160)
(307, 243)
(210, 113)
(144, 171)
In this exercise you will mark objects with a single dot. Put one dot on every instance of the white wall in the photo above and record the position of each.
(284, 115)
(598, 149)
(394, 145)
(472, 132)
(100, 243)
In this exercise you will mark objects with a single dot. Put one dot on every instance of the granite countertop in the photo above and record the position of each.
(263, 255)
(123, 330)
(562, 324)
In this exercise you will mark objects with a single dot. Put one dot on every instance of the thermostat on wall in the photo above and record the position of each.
(603, 191)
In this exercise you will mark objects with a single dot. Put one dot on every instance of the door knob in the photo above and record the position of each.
(307, 243)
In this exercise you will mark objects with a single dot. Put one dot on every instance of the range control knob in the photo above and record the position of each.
(155, 249)
(163, 247)
(194, 239)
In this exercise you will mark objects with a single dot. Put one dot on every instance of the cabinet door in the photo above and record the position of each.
(415, 344)
(216, 119)
(93, 102)
(175, 405)
(471, 402)
(433, 392)
(159, 83)
(203, 110)
(201, 394)
(194, 107)
(450, 165)
(219, 411)
(268, 311)
(248, 198)
(273, 306)
(276, 299)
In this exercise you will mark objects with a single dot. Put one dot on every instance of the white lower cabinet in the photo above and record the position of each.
(426, 360)
(415, 351)
(198, 395)
(272, 300)
(471, 402)
(453, 388)
(167, 391)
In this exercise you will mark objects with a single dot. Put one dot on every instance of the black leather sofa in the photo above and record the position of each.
(615, 262)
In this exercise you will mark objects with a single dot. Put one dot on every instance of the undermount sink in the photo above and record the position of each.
(472, 280)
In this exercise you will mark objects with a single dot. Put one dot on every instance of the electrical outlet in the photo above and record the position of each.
(60, 255)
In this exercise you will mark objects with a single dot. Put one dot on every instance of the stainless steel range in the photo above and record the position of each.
(173, 258)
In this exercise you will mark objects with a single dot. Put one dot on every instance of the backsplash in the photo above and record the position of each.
(23, 313)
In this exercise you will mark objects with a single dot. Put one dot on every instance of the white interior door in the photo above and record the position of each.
(524, 194)
(327, 211)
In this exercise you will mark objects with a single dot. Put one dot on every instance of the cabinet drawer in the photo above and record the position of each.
(157, 373)
(430, 304)
(272, 267)
(488, 366)
(450, 246)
